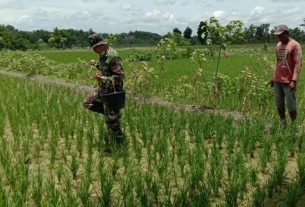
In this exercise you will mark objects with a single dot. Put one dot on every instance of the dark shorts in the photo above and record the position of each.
(282, 94)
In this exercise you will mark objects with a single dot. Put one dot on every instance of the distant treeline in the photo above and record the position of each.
(14, 39)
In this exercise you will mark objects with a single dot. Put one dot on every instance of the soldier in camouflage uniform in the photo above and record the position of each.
(110, 77)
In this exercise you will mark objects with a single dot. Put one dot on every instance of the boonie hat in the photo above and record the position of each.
(96, 39)
(280, 29)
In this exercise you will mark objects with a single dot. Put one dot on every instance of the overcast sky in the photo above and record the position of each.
(159, 16)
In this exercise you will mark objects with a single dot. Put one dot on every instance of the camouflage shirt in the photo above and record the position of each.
(110, 65)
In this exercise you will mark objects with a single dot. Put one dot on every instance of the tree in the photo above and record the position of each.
(58, 38)
(250, 34)
(303, 24)
(202, 31)
(176, 30)
(220, 35)
(178, 38)
(297, 34)
(187, 33)
(234, 31)
(10, 38)
(262, 33)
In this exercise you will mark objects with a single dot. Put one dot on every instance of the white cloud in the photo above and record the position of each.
(165, 2)
(218, 14)
(146, 15)
(256, 11)
(128, 6)
(286, 1)
(157, 16)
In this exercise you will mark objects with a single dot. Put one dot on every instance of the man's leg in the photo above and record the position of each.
(279, 96)
(113, 124)
(291, 103)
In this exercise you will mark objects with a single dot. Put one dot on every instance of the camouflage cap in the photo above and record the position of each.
(96, 39)
(280, 29)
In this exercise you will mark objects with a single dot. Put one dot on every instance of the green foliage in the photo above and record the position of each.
(187, 33)
(142, 76)
(141, 55)
(167, 48)
(35, 64)
(58, 38)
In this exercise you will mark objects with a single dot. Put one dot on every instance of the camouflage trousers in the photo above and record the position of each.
(112, 118)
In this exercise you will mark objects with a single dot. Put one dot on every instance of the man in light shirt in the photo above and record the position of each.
(287, 71)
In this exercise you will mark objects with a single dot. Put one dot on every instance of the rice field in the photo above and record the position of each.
(52, 148)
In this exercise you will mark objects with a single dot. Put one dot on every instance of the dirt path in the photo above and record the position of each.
(141, 99)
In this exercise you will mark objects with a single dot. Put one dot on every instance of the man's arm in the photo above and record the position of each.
(297, 58)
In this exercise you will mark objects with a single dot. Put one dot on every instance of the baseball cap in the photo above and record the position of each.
(280, 29)
(96, 39)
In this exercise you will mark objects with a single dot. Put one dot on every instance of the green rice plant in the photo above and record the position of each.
(53, 147)
(100, 138)
(83, 192)
(137, 148)
(301, 169)
(90, 138)
(106, 182)
(161, 145)
(74, 165)
(265, 154)
(2, 121)
(115, 166)
(301, 143)
(231, 141)
(279, 167)
(37, 149)
(271, 184)
(153, 187)
(258, 196)
(4, 196)
(151, 158)
(80, 141)
(292, 140)
(231, 193)
(182, 198)
(7, 163)
(60, 171)
(167, 195)
(162, 167)
(215, 173)
(141, 191)
(37, 189)
(253, 176)
(69, 197)
(202, 197)
(292, 195)
(21, 184)
(68, 144)
(197, 163)
(52, 194)
(277, 174)
(88, 167)
(237, 178)
(126, 189)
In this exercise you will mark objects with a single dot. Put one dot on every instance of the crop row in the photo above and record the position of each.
(52, 155)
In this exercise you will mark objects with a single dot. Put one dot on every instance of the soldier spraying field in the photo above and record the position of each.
(109, 96)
